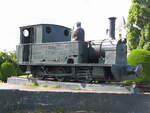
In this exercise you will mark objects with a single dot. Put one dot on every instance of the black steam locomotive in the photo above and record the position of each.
(46, 51)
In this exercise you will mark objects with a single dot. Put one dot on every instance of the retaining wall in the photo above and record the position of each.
(11, 100)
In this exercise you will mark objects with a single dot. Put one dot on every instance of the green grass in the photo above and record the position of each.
(43, 86)
(77, 89)
(25, 76)
(34, 84)
(54, 86)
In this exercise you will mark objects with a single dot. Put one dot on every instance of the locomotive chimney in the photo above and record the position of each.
(112, 27)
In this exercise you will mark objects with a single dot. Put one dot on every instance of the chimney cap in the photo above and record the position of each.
(112, 18)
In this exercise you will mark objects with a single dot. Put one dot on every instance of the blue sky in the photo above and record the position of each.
(92, 13)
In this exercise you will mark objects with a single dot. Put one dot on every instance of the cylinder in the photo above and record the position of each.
(112, 27)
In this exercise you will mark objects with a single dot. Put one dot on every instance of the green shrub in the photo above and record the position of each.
(7, 69)
(6, 56)
(141, 57)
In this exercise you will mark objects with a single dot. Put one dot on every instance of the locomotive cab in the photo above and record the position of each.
(39, 34)
(44, 33)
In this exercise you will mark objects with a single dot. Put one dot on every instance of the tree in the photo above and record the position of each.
(145, 3)
(138, 25)
(8, 56)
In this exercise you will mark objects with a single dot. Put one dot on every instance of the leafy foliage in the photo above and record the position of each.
(133, 38)
(7, 69)
(145, 37)
(141, 57)
(8, 60)
(139, 25)
(7, 56)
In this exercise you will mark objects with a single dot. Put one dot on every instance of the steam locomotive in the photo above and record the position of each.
(46, 51)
